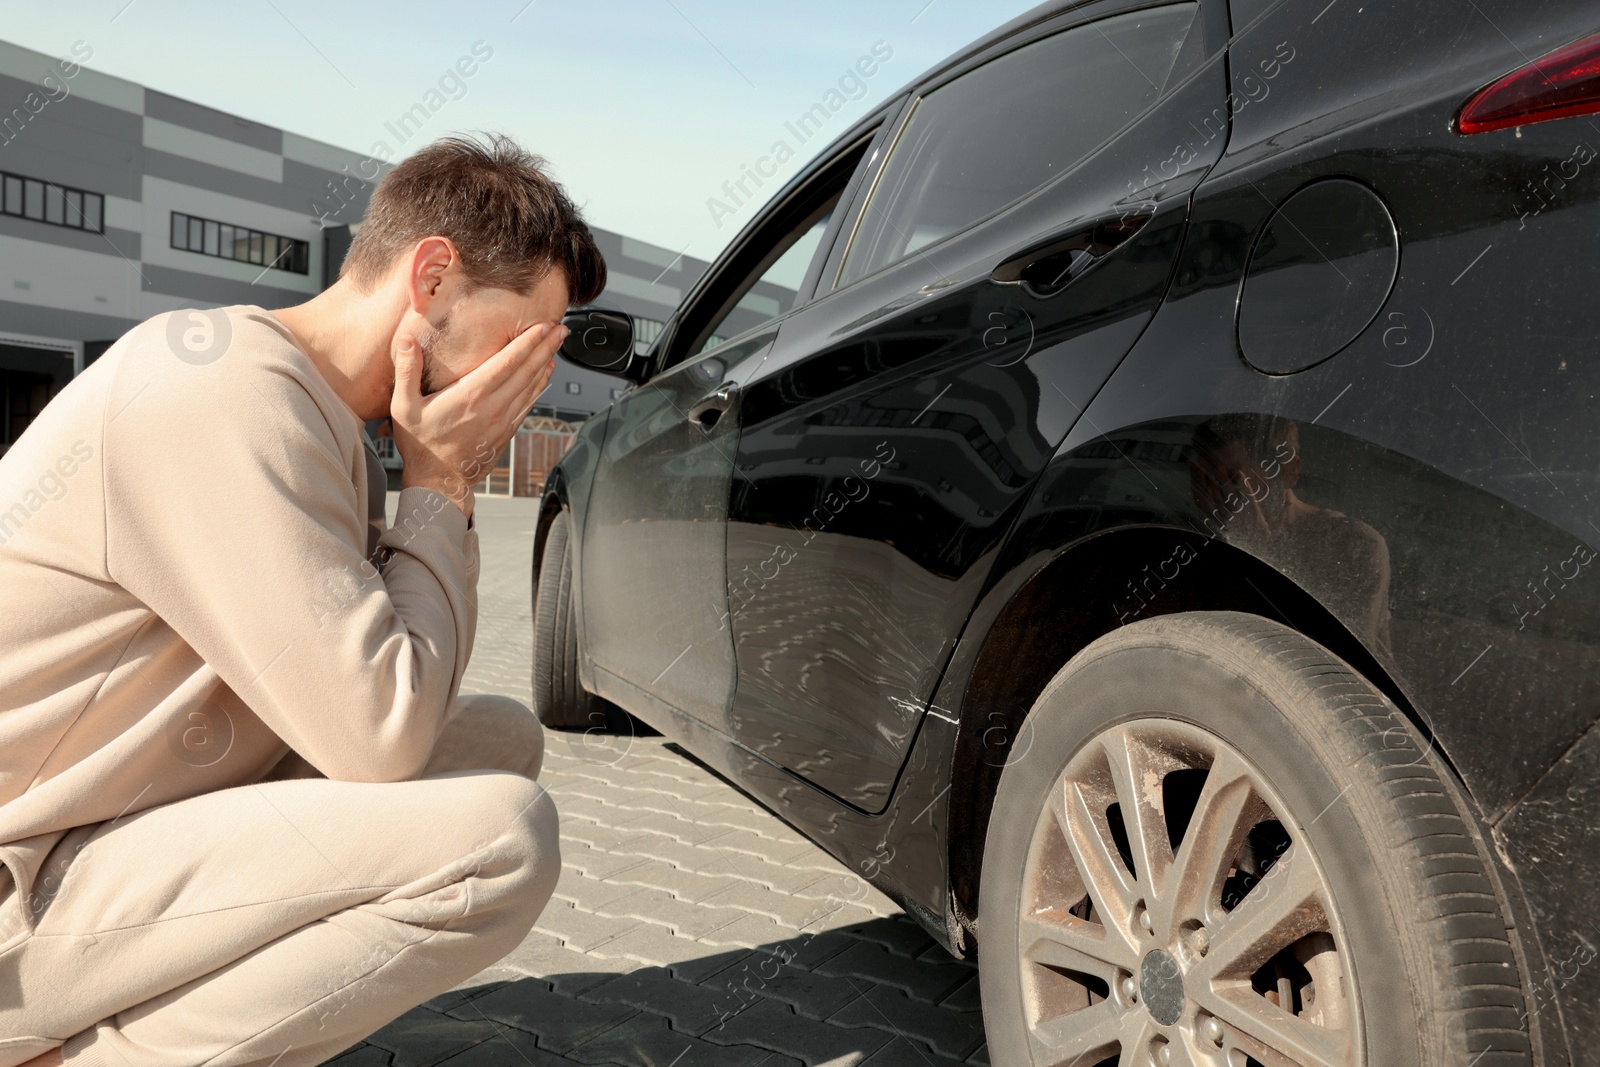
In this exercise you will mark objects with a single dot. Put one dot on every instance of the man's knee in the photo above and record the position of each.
(489, 732)
(524, 859)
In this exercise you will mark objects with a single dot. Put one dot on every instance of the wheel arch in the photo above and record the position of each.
(1066, 604)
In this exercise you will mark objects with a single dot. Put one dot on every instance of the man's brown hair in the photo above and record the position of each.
(510, 222)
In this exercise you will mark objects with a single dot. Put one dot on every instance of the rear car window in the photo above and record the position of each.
(1001, 131)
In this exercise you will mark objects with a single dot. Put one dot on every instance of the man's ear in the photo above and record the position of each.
(434, 267)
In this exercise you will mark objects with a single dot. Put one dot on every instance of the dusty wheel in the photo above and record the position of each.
(559, 700)
(1218, 845)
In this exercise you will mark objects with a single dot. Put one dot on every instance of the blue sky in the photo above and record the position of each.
(643, 107)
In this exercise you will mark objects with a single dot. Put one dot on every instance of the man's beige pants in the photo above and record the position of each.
(280, 923)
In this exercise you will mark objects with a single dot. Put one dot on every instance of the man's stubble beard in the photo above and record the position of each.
(430, 341)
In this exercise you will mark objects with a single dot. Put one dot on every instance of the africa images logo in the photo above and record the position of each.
(201, 737)
(198, 337)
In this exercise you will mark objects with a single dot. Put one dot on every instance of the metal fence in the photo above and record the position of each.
(521, 470)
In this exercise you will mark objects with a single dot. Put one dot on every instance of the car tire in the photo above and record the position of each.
(1291, 830)
(559, 699)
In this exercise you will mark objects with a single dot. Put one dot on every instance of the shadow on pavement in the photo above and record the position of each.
(876, 994)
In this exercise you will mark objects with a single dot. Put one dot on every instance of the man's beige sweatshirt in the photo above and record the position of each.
(188, 589)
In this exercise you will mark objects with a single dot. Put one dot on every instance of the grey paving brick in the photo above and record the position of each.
(693, 1009)
(683, 883)
(847, 888)
(632, 778)
(680, 769)
(820, 916)
(753, 818)
(603, 864)
(602, 802)
(663, 774)
(362, 1056)
(656, 946)
(508, 1048)
(682, 917)
(750, 817)
(596, 802)
(477, 987)
(786, 878)
(808, 951)
(577, 826)
(902, 1053)
(582, 930)
(901, 936)
(594, 750)
(800, 855)
(582, 794)
(569, 971)
(673, 825)
(715, 791)
(569, 771)
(699, 858)
(813, 995)
(748, 931)
(965, 998)
(647, 1041)
(575, 886)
(586, 980)
(846, 915)
(644, 800)
(768, 1024)
(937, 953)
(955, 1034)
(561, 1023)
(660, 795)
(607, 805)
(705, 813)
(644, 803)
(421, 1038)
(794, 912)
(928, 982)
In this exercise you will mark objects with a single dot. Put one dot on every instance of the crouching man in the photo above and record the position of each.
(244, 816)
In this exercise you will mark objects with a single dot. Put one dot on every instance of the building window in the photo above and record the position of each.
(209, 238)
(42, 201)
(574, 388)
(645, 331)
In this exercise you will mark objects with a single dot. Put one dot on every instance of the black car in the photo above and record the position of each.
(1134, 497)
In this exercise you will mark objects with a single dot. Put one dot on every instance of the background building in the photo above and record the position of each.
(118, 202)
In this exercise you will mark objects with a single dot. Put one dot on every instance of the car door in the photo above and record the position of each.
(1002, 260)
(654, 566)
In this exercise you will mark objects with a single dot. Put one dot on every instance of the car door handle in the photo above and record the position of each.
(1049, 266)
(706, 413)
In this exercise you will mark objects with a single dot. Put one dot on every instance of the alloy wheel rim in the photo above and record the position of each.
(1172, 913)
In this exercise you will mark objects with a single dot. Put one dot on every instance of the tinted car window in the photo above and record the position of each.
(775, 292)
(1003, 130)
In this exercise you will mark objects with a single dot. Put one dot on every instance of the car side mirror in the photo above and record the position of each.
(600, 340)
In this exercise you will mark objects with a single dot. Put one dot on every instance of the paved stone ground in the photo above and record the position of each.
(690, 927)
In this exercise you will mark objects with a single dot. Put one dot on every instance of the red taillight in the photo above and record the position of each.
(1564, 83)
